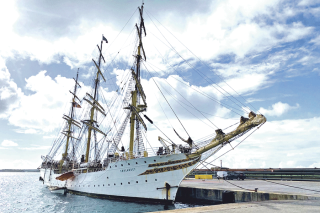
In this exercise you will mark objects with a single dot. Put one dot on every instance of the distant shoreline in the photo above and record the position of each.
(19, 170)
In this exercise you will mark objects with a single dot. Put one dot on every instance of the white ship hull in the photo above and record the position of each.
(58, 190)
(140, 178)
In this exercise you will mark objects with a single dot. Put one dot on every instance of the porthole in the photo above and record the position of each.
(121, 183)
(103, 184)
(136, 181)
(155, 179)
(115, 165)
(154, 160)
(110, 166)
(136, 162)
(145, 161)
(98, 185)
(146, 181)
(129, 164)
(121, 164)
(128, 182)
(94, 185)
(107, 177)
(108, 184)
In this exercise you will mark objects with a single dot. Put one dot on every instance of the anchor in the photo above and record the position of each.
(167, 187)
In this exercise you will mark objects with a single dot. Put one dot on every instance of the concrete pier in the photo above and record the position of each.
(193, 190)
(296, 197)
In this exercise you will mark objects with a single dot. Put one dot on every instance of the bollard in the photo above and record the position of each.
(228, 197)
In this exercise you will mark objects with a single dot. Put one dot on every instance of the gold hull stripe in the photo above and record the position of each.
(171, 162)
(170, 168)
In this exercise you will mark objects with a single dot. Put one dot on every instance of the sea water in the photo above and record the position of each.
(23, 192)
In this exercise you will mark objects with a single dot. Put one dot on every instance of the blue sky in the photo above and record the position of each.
(268, 51)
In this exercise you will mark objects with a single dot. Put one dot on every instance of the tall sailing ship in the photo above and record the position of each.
(95, 160)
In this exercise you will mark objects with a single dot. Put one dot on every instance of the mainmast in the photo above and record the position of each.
(138, 92)
(93, 101)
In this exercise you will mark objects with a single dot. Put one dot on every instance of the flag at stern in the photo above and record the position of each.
(75, 104)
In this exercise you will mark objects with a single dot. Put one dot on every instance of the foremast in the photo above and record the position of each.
(70, 120)
(138, 90)
(95, 105)
(246, 124)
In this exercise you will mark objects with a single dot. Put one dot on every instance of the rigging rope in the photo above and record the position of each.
(162, 109)
(187, 101)
(201, 74)
(238, 143)
(148, 143)
(204, 64)
(168, 102)
(160, 130)
(238, 186)
(112, 61)
(290, 186)
(123, 28)
(201, 92)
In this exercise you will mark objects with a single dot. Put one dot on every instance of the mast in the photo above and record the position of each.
(94, 102)
(70, 120)
(138, 88)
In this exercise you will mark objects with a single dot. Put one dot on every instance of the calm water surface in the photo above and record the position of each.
(23, 192)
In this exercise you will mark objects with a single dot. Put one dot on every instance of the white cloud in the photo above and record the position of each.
(308, 60)
(246, 83)
(238, 30)
(315, 11)
(247, 78)
(251, 100)
(9, 91)
(36, 148)
(316, 70)
(8, 15)
(308, 2)
(316, 40)
(42, 111)
(294, 154)
(317, 165)
(19, 164)
(27, 131)
(180, 102)
(49, 136)
(278, 109)
(285, 143)
(8, 143)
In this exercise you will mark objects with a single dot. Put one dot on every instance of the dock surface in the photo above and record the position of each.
(290, 206)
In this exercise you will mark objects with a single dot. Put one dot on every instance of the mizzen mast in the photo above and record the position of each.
(70, 120)
(95, 105)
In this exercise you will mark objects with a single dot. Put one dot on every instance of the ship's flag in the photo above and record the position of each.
(75, 104)
(104, 39)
